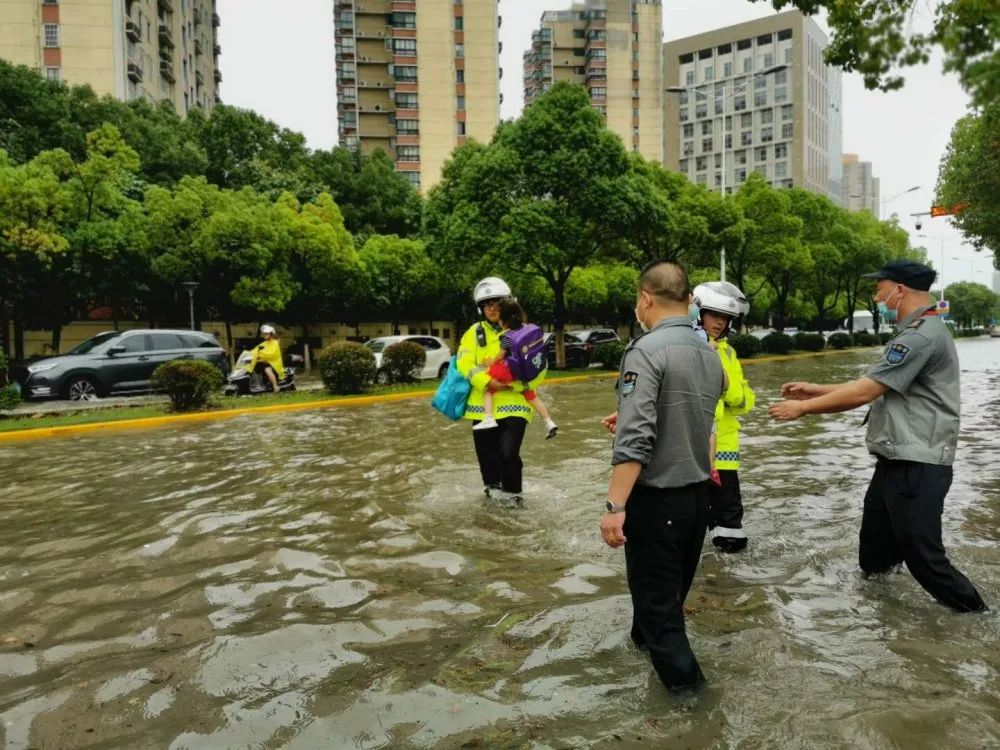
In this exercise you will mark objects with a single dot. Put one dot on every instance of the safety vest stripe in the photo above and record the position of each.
(727, 456)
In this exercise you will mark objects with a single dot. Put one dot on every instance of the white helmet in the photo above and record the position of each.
(267, 329)
(491, 288)
(721, 297)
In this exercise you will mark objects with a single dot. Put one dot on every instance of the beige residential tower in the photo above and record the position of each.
(416, 79)
(614, 49)
(154, 49)
(861, 186)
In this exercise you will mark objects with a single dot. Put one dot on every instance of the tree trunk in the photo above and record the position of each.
(229, 341)
(56, 335)
(560, 325)
(18, 335)
(4, 330)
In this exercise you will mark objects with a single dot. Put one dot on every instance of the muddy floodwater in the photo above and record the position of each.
(335, 579)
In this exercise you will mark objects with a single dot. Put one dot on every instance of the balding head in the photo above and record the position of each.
(666, 282)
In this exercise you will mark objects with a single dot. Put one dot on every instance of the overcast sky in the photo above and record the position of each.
(278, 59)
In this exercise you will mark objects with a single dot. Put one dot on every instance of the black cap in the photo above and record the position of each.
(908, 272)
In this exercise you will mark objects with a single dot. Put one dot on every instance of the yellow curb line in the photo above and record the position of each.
(16, 436)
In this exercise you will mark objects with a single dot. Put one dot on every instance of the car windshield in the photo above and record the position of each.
(376, 346)
(90, 344)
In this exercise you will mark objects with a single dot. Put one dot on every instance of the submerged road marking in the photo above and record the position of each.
(40, 433)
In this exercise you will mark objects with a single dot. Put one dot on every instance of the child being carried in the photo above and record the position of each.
(522, 358)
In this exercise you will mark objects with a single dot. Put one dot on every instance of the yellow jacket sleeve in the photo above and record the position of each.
(467, 361)
(739, 396)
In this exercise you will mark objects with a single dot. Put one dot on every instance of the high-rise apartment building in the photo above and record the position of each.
(416, 79)
(154, 49)
(615, 49)
(861, 186)
(731, 108)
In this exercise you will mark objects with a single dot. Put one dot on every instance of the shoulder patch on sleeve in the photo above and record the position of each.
(896, 353)
(629, 380)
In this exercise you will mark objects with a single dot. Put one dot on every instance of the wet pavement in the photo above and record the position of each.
(335, 579)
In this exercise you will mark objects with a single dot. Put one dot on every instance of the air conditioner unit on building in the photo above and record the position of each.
(378, 83)
(381, 33)
(359, 33)
(362, 83)
(365, 59)
(378, 108)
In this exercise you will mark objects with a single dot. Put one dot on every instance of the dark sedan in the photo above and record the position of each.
(115, 363)
(577, 354)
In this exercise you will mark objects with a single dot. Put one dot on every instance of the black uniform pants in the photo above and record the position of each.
(499, 454)
(726, 520)
(665, 529)
(902, 523)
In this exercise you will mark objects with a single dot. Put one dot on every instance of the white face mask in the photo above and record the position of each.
(638, 319)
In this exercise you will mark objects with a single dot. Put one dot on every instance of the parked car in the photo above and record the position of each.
(596, 337)
(115, 363)
(438, 355)
(577, 354)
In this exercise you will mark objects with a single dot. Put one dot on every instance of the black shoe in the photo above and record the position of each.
(728, 544)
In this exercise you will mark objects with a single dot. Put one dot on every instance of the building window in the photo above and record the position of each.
(768, 60)
(781, 77)
(747, 64)
(685, 165)
(760, 99)
(404, 20)
(789, 53)
(461, 129)
(746, 120)
(407, 153)
(408, 127)
(718, 179)
(718, 161)
(688, 148)
(352, 142)
(781, 151)
(729, 140)
(598, 92)
(746, 138)
(413, 177)
(579, 34)
(406, 73)
(787, 131)
(702, 179)
(405, 47)
(459, 76)
(635, 112)
(729, 124)
(406, 100)
(459, 23)
(780, 169)
(683, 97)
(186, 104)
(740, 157)
(780, 94)
(597, 54)
(706, 127)
(635, 131)
(727, 70)
(701, 110)
(766, 135)
(689, 131)
(701, 163)
(460, 50)
(689, 78)
(706, 145)
(741, 175)
(761, 153)
(787, 113)
(460, 103)
(740, 102)
(761, 169)
(760, 82)
(51, 34)
(683, 114)
(766, 116)
(709, 73)
(635, 56)
(53, 74)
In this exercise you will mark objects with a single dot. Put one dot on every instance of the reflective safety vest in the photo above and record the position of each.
(738, 399)
(479, 343)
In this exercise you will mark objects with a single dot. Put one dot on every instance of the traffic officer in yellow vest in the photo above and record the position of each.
(912, 432)
(498, 450)
(714, 307)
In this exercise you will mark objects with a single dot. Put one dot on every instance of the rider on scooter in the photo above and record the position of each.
(267, 357)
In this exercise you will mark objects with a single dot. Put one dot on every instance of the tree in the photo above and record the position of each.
(373, 196)
(969, 176)
(554, 191)
(399, 275)
(875, 38)
(823, 235)
(971, 304)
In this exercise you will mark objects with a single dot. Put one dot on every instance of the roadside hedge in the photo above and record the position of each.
(188, 383)
(609, 354)
(778, 343)
(839, 341)
(809, 342)
(745, 345)
(347, 368)
(402, 361)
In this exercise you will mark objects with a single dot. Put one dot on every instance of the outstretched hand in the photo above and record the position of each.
(786, 411)
(611, 422)
(800, 391)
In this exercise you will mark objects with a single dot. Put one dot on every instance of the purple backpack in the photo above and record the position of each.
(527, 359)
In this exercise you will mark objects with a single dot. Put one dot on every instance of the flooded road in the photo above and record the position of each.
(335, 579)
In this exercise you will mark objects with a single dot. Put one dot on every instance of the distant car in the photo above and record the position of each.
(115, 363)
(577, 354)
(596, 337)
(438, 355)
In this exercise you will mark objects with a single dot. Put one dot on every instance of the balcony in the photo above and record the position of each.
(199, 47)
(166, 36)
(135, 71)
(167, 70)
(199, 78)
(218, 76)
(217, 49)
(167, 6)
(216, 21)
(198, 18)
(133, 31)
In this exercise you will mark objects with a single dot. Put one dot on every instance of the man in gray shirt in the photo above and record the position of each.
(658, 501)
(912, 431)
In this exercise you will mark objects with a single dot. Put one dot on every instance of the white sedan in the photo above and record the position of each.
(438, 355)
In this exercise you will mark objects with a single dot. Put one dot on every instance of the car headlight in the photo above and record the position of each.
(42, 367)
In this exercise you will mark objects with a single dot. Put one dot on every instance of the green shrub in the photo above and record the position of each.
(347, 368)
(403, 361)
(609, 354)
(189, 383)
(863, 338)
(884, 336)
(839, 340)
(778, 343)
(809, 342)
(745, 345)
(10, 397)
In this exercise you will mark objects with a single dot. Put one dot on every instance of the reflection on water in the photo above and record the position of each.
(335, 579)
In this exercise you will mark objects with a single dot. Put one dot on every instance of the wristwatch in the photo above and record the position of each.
(612, 508)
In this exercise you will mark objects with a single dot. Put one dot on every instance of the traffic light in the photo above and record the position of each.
(945, 211)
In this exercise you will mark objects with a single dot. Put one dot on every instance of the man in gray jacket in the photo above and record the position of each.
(658, 501)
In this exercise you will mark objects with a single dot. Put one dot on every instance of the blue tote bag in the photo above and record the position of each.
(453, 393)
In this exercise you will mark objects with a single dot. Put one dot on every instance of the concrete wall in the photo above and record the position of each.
(20, 32)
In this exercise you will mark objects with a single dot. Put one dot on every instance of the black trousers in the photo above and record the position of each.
(499, 454)
(902, 523)
(726, 519)
(665, 529)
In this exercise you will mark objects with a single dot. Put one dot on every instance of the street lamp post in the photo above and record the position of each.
(190, 286)
(941, 271)
(883, 201)
(972, 267)
(727, 90)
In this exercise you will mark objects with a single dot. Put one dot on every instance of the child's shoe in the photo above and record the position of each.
(487, 424)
